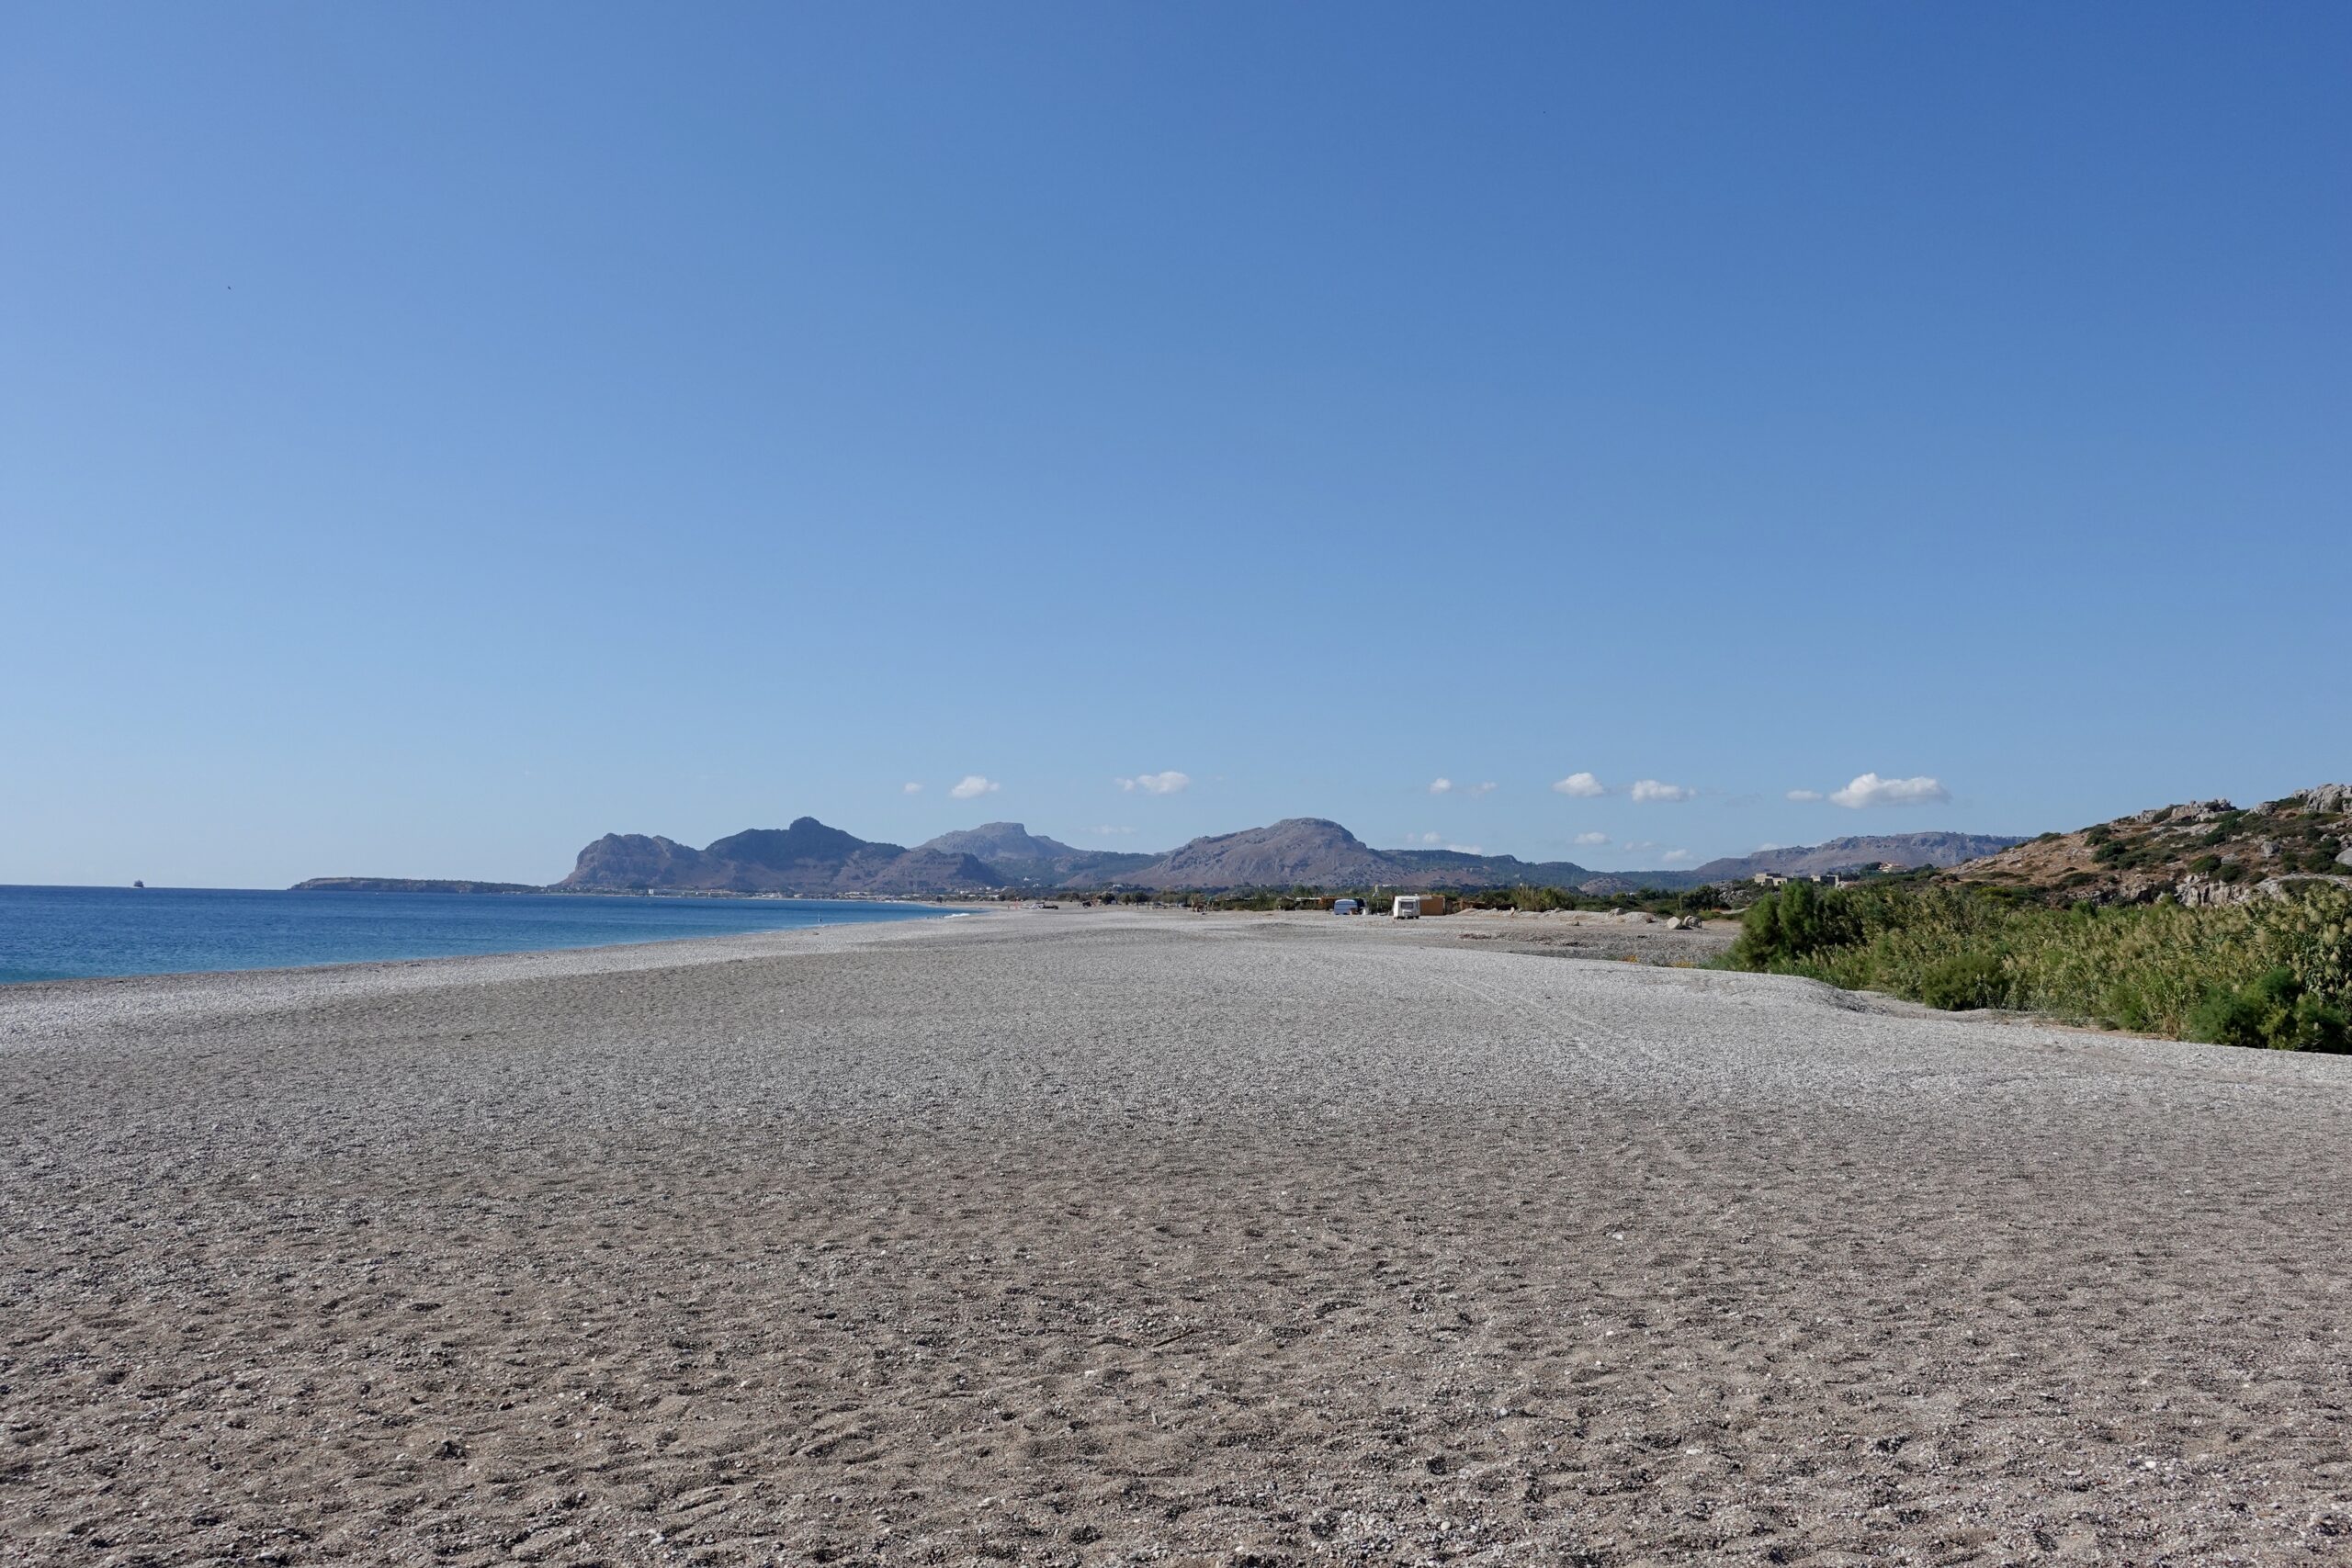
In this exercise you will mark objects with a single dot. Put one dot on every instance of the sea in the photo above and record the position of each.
(66, 933)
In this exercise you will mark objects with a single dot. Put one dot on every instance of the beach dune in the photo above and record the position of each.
(1096, 1237)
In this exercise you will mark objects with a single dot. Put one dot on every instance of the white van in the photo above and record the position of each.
(1409, 906)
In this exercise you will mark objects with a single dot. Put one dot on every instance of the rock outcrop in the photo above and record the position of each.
(805, 858)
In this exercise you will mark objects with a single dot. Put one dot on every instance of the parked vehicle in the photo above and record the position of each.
(1409, 906)
(1346, 907)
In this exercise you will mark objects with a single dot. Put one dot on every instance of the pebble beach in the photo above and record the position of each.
(1094, 1237)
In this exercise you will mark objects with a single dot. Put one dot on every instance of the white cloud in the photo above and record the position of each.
(1479, 789)
(1466, 849)
(1762, 848)
(1441, 786)
(1169, 783)
(912, 788)
(1872, 790)
(1805, 795)
(1592, 838)
(1650, 789)
(1638, 845)
(1430, 837)
(972, 786)
(1675, 857)
(1584, 786)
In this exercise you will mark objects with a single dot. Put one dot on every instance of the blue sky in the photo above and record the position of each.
(432, 437)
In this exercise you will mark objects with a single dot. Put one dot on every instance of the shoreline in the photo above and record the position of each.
(916, 911)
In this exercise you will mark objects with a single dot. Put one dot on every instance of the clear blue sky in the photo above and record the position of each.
(433, 436)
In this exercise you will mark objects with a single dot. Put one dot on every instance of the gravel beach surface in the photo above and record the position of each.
(1094, 1236)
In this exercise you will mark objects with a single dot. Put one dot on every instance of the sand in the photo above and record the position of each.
(1092, 1238)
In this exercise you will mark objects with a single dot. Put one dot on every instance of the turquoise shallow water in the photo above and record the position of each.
(60, 933)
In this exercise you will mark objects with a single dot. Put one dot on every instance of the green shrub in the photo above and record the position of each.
(1965, 980)
(2200, 973)
(1792, 925)
(2271, 1012)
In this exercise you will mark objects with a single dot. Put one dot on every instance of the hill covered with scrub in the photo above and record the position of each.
(2203, 852)
(2201, 922)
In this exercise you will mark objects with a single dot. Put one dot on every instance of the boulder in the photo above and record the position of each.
(2279, 887)
(2204, 893)
(2328, 797)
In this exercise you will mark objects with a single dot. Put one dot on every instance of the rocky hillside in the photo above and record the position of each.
(1022, 858)
(2206, 851)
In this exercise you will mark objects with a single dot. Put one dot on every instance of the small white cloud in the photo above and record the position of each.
(1466, 849)
(1872, 790)
(1584, 786)
(1675, 857)
(1441, 786)
(1432, 838)
(1479, 789)
(1169, 783)
(1762, 848)
(1805, 795)
(912, 788)
(1638, 845)
(1650, 789)
(971, 786)
(1592, 838)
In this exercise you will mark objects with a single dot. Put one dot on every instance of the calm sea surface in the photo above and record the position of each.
(60, 933)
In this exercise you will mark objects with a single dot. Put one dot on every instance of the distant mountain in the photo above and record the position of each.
(1455, 868)
(810, 858)
(633, 860)
(408, 884)
(807, 857)
(1906, 850)
(1312, 853)
(1023, 857)
(1296, 851)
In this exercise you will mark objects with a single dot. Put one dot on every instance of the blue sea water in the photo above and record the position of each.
(60, 933)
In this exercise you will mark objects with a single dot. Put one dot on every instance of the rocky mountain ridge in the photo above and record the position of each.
(812, 858)
(807, 858)
(1022, 857)
(1857, 854)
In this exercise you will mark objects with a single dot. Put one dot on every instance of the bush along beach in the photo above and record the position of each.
(2272, 972)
